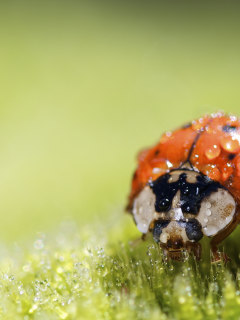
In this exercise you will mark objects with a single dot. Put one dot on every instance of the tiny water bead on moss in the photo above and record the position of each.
(176, 179)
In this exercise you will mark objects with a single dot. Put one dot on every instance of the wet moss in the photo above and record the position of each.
(92, 272)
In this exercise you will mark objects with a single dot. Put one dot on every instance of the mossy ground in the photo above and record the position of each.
(91, 272)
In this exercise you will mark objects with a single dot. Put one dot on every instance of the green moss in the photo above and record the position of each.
(92, 272)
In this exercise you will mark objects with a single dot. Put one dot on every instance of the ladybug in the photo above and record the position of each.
(188, 186)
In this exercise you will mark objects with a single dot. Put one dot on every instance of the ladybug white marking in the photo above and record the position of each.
(216, 212)
(144, 209)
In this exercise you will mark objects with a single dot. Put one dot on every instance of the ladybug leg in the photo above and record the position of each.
(144, 236)
(216, 240)
(195, 248)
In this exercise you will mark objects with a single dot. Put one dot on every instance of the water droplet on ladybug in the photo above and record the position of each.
(208, 212)
(212, 152)
(208, 205)
(144, 223)
(197, 191)
(230, 145)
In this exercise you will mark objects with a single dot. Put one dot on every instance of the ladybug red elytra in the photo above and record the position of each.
(188, 186)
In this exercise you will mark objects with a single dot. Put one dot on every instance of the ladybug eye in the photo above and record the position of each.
(229, 128)
(164, 204)
(157, 230)
(193, 230)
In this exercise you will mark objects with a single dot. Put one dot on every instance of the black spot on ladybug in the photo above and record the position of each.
(191, 194)
(192, 228)
(135, 175)
(231, 156)
(156, 152)
(157, 229)
(187, 125)
(228, 128)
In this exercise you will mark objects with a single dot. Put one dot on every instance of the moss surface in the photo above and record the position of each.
(92, 272)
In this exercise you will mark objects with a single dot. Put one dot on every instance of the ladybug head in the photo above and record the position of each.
(177, 236)
(182, 206)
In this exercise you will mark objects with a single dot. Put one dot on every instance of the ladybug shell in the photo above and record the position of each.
(211, 145)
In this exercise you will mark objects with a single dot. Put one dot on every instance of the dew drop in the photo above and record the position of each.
(208, 212)
(212, 152)
(156, 170)
(144, 223)
(230, 145)
(181, 300)
(208, 205)
(169, 164)
(38, 244)
(233, 118)
(27, 267)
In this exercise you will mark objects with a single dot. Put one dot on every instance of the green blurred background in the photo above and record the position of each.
(86, 84)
